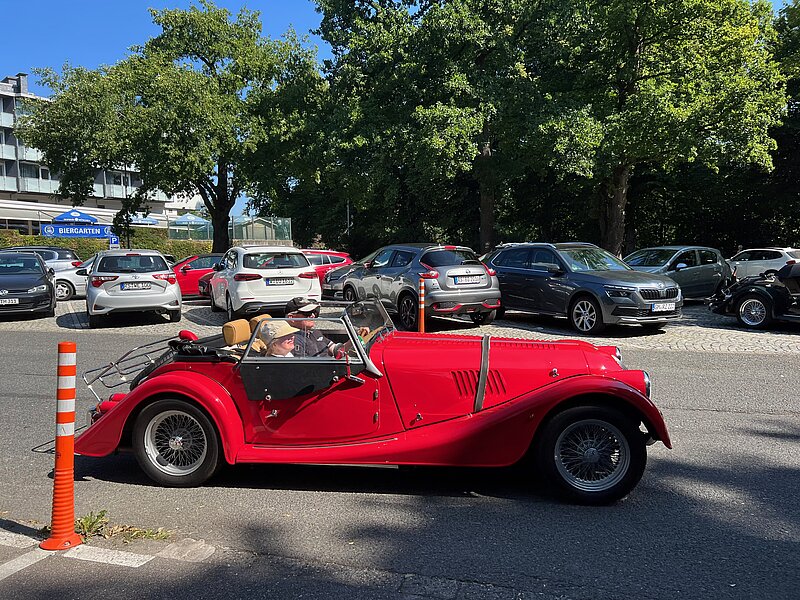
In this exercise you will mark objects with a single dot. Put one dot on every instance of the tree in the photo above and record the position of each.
(182, 109)
(654, 83)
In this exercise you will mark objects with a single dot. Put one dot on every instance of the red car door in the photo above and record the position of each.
(190, 270)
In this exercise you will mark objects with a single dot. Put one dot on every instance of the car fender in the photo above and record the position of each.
(581, 291)
(104, 436)
(771, 297)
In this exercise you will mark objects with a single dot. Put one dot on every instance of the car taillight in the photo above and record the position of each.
(490, 271)
(98, 280)
(76, 263)
(246, 277)
(791, 262)
(168, 277)
(308, 275)
(431, 273)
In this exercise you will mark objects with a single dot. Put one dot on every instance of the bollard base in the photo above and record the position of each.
(61, 542)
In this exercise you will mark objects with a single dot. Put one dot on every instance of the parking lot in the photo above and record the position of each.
(699, 331)
(716, 517)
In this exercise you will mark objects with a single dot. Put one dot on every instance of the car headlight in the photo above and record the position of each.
(648, 386)
(618, 291)
(37, 289)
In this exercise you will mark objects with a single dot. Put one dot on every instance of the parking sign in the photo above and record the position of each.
(113, 242)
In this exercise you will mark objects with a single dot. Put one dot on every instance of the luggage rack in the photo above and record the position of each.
(119, 372)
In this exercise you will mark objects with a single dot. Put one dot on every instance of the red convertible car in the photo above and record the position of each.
(384, 397)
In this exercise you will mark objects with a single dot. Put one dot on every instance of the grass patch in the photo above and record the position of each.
(98, 525)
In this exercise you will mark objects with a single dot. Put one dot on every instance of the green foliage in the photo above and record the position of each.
(97, 525)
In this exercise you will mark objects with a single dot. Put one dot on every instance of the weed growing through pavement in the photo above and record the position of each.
(97, 525)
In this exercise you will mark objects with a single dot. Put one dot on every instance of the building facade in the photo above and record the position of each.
(28, 187)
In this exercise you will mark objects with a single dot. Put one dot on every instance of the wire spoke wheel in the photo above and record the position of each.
(592, 455)
(175, 443)
(753, 312)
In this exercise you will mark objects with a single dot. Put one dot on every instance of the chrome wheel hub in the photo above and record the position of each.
(584, 315)
(753, 312)
(175, 442)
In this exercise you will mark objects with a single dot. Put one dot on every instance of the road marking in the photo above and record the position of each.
(26, 560)
(187, 550)
(16, 540)
(109, 557)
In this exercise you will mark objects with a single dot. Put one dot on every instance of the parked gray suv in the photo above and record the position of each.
(588, 285)
(456, 282)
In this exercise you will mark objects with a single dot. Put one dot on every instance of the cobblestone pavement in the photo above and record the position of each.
(700, 330)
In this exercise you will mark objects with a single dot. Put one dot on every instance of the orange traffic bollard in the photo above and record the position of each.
(62, 531)
(421, 319)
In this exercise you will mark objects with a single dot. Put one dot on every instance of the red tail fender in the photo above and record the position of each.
(103, 437)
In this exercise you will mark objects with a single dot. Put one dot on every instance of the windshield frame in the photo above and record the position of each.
(379, 332)
(668, 253)
(573, 264)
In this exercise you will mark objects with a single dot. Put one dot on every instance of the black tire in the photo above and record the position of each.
(230, 313)
(586, 316)
(176, 444)
(214, 307)
(407, 312)
(64, 290)
(483, 318)
(94, 321)
(50, 312)
(349, 294)
(591, 454)
(754, 311)
(175, 316)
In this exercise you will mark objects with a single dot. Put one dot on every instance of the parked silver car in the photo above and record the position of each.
(131, 281)
(456, 282)
(55, 257)
(700, 271)
(333, 282)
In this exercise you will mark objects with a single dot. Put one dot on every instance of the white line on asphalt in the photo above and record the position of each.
(16, 540)
(26, 560)
(109, 557)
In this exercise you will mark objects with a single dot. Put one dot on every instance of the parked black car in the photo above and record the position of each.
(26, 284)
(588, 285)
(758, 300)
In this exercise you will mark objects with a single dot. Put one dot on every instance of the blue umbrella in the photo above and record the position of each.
(74, 216)
(190, 219)
(142, 220)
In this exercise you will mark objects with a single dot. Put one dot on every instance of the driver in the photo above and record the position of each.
(308, 342)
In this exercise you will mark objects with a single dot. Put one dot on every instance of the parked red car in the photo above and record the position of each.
(393, 397)
(326, 260)
(189, 270)
(204, 285)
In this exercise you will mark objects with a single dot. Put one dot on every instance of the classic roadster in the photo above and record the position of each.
(568, 410)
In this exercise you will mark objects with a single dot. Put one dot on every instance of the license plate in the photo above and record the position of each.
(280, 281)
(9, 300)
(468, 279)
(135, 285)
(665, 307)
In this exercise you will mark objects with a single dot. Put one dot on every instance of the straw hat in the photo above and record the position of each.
(280, 329)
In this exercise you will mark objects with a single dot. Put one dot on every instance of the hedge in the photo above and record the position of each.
(152, 239)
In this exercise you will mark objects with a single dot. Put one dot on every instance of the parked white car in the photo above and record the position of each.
(755, 261)
(71, 285)
(251, 280)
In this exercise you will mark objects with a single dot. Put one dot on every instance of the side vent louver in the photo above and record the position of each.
(466, 382)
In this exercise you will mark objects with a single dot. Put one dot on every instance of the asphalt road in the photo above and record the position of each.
(717, 517)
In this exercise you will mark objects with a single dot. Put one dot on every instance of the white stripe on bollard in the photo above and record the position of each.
(63, 406)
(63, 429)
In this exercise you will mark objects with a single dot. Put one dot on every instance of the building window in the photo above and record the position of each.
(45, 172)
(113, 178)
(28, 170)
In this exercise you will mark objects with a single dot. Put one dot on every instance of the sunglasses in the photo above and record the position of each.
(305, 315)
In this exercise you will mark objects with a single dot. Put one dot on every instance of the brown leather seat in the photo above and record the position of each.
(256, 321)
(236, 335)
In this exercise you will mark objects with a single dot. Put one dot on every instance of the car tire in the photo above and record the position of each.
(586, 316)
(64, 291)
(408, 312)
(483, 318)
(214, 307)
(754, 311)
(230, 313)
(349, 294)
(591, 454)
(94, 321)
(176, 444)
(175, 316)
(50, 312)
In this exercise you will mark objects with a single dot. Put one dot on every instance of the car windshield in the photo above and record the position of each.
(369, 315)
(274, 260)
(66, 254)
(132, 263)
(592, 259)
(448, 258)
(650, 257)
(20, 265)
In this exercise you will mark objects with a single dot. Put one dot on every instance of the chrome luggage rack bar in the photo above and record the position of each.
(130, 363)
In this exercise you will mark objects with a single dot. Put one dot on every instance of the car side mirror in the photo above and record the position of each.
(680, 266)
(185, 268)
(81, 273)
(217, 267)
(51, 272)
(555, 270)
(368, 264)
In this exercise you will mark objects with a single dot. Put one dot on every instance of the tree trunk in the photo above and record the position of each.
(612, 210)
(220, 219)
